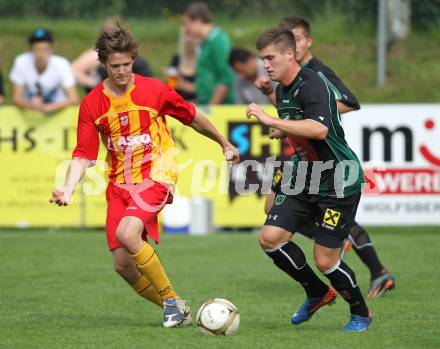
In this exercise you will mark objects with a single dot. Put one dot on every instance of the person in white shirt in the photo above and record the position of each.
(42, 81)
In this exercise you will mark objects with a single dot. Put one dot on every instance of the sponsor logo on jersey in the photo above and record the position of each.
(129, 142)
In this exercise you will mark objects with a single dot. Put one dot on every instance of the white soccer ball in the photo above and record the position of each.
(218, 317)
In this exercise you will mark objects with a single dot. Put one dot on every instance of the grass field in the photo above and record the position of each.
(58, 290)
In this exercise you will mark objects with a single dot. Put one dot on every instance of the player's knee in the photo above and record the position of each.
(124, 235)
(323, 263)
(266, 241)
(269, 240)
(264, 244)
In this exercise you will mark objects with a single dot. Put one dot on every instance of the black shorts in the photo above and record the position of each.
(332, 217)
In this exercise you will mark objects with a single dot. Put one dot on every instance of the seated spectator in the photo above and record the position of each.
(248, 69)
(42, 81)
(214, 77)
(2, 91)
(182, 70)
(89, 72)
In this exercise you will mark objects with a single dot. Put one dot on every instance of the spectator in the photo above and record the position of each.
(247, 68)
(89, 72)
(182, 70)
(214, 77)
(2, 91)
(42, 81)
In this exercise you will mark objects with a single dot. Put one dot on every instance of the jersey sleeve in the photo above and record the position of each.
(87, 146)
(17, 75)
(340, 91)
(315, 101)
(172, 104)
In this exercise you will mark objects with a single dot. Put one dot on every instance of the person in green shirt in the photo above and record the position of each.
(214, 80)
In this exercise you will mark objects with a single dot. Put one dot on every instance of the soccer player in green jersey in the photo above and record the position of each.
(325, 190)
(381, 279)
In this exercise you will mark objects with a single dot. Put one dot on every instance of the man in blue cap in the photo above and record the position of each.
(42, 81)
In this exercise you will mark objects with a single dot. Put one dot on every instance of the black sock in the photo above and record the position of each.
(343, 280)
(291, 259)
(364, 248)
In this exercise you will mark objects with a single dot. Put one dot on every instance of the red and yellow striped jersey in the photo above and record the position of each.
(134, 130)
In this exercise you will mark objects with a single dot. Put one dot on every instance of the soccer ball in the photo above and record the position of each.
(218, 317)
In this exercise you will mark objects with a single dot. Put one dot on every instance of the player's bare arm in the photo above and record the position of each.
(343, 108)
(203, 126)
(61, 196)
(302, 128)
(276, 134)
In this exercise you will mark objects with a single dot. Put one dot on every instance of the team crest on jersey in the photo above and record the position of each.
(124, 120)
(280, 199)
(331, 218)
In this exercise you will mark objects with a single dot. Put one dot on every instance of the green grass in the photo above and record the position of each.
(58, 290)
(349, 48)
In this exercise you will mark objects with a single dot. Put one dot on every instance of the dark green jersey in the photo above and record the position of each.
(324, 167)
(341, 92)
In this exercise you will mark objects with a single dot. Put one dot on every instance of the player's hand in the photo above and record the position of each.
(276, 134)
(61, 196)
(264, 84)
(256, 111)
(231, 154)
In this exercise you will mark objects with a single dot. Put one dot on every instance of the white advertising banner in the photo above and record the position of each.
(399, 147)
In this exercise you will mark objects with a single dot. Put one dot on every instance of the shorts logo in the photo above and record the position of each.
(280, 199)
(331, 217)
(273, 217)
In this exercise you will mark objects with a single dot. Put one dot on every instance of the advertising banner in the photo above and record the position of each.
(399, 145)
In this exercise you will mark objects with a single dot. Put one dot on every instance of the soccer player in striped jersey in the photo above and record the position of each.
(128, 112)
